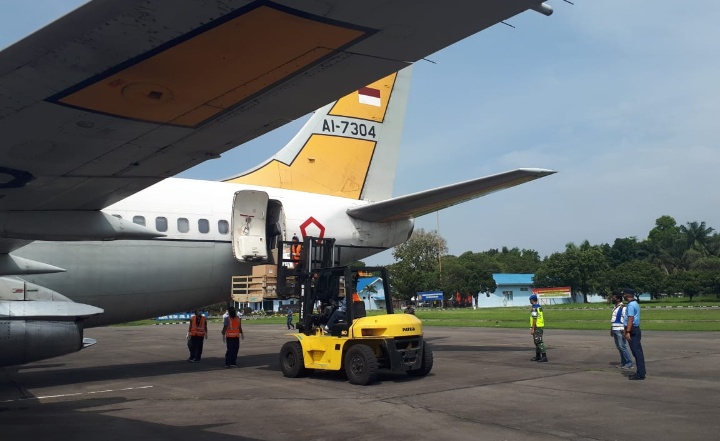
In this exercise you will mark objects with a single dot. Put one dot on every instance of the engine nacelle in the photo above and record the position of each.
(24, 341)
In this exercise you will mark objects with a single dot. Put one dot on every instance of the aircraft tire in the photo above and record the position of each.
(361, 366)
(427, 362)
(291, 360)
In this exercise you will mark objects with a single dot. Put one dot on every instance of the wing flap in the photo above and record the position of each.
(424, 202)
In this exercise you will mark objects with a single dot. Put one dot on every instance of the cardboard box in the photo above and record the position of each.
(264, 270)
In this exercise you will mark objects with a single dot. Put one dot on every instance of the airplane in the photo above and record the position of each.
(94, 232)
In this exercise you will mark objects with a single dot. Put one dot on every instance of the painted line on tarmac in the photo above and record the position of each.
(76, 394)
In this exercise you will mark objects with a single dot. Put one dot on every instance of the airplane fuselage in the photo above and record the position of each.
(193, 264)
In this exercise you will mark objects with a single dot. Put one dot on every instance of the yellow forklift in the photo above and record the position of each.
(334, 331)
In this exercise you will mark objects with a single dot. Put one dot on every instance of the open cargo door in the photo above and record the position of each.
(249, 219)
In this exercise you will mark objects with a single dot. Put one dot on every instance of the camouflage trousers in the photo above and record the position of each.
(538, 339)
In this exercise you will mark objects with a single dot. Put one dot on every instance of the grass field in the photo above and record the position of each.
(564, 318)
(701, 317)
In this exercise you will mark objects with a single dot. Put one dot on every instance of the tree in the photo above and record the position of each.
(666, 245)
(687, 282)
(581, 268)
(417, 263)
(518, 261)
(623, 250)
(697, 237)
(639, 275)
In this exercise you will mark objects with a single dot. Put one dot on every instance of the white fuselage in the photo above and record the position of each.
(193, 264)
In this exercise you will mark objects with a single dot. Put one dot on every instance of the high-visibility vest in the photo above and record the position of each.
(197, 329)
(295, 252)
(540, 320)
(356, 297)
(233, 328)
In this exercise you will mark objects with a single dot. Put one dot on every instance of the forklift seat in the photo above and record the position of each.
(358, 309)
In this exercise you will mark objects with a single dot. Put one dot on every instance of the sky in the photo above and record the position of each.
(621, 98)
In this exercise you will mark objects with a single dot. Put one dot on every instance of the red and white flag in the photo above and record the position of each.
(368, 95)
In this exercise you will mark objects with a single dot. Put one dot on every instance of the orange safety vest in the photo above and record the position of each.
(295, 252)
(233, 328)
(197, 330)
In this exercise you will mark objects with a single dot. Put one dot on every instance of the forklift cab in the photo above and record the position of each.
(331, 302)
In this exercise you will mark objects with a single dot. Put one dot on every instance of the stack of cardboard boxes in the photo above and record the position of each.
(261, 285)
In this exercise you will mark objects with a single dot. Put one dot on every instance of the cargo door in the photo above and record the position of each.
(248, 230)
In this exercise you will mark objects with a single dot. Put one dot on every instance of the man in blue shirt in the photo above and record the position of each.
(633, 334)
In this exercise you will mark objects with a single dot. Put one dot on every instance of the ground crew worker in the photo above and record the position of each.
(295, 250)
(290, 319)
(618, 321)
(197, 333)
(537, 324)
(232, 332)
(409, 309)
(633, 334)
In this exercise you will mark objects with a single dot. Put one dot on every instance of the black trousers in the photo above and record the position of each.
(196, 347)
(233, 346)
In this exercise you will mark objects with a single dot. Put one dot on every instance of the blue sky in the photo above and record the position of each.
(621, 98)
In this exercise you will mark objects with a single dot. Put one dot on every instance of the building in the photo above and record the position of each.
(372, 292)
(512, 290)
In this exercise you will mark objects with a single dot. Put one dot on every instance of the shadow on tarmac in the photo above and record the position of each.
(464, 348)
(58, 376)
(78, 420)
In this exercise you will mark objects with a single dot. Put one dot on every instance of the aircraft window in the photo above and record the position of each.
(161, 224)
(117, 216)
(223, 227)
(140, 220)
(203, 226)
(183, 225)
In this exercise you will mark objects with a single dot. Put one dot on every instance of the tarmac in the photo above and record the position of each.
(136, 384)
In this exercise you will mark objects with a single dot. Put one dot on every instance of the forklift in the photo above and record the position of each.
(334, 331)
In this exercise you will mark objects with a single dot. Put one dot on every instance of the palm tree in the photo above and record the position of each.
(697, 236)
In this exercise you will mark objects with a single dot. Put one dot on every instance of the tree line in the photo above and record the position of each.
(672, 259)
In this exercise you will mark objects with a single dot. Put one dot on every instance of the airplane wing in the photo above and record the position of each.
(424, 202)
(117, 95)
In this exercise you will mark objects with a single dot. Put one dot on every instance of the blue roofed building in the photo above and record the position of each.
(512, 290)
(372, 292)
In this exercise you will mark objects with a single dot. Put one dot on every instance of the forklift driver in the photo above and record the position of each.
(339, 314)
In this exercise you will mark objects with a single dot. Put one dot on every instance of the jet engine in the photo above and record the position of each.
(37, 323)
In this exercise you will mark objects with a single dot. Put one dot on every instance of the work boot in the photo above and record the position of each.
(537, 357)
(542, 359)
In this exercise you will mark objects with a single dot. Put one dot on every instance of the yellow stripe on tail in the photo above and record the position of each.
(348, 148)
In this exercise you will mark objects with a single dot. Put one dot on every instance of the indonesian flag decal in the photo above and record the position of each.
(370, 96)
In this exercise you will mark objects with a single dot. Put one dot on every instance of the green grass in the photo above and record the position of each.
(591, 317)
(686, 319)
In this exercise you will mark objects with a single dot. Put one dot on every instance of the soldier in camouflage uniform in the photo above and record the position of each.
(537, 324)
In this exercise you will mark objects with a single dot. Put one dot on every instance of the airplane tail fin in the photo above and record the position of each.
(348, 148)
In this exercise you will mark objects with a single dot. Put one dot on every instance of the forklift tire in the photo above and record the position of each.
(427, 362)
(291, 360)
(361, 365)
